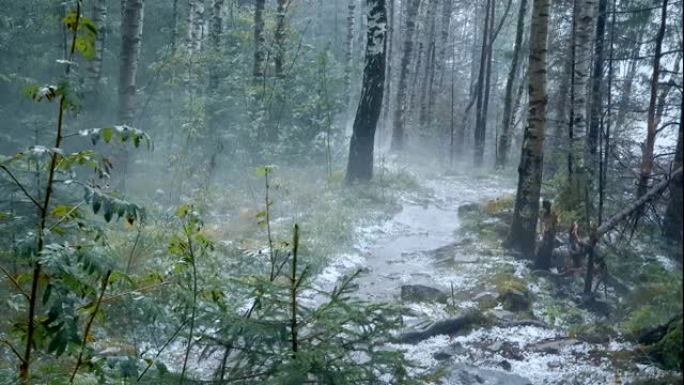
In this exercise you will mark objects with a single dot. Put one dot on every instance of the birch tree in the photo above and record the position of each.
(522, 236)
(131, 37)
(402, 88)
(360, 165)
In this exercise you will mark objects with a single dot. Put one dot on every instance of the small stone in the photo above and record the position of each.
(505, 365)
(422, 293)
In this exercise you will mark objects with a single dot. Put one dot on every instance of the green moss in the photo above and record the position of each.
(498, 205)
(512, 292)
(671, 346)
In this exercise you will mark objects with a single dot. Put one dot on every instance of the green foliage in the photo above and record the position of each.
(671, 346)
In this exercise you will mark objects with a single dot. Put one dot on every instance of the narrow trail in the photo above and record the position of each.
(424, 244)
(402, 250)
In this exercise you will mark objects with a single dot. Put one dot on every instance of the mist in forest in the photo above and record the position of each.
(445, 192)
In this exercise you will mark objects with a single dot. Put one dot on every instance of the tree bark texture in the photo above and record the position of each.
(131, 37)
(398, 133)
(522, 236)
(360, 166)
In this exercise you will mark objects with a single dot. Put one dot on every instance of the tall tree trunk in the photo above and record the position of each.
(259, 42)
(360, 166)
(623, 105)
(195, 22)
(174, 26)
(596, 116)
(504, 139)
(280, 37)
(398, 133)
(585, 13)
(428, 73)
(478, 138)
(95, 65)
(351, 15)
(215, 32)
(647, 159)
(522, 236)
(673, 215)
(447, 6)
(131, 37)
(387, 101)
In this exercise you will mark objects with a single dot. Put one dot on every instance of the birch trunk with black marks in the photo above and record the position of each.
(351, 13)
(279, 37)
(585, 16)
(429, 70)
(195, 22)
(523, 231)
(400, 107)
(95, 65)
(131, 37)
(259, 42)
(360, 165)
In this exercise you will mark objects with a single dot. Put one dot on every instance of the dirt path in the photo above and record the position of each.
(412, 248)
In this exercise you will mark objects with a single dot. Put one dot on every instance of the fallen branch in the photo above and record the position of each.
(451, 326)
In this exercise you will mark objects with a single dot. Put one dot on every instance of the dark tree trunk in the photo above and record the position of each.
(279, 36)
(673, 215)
(647, 159)
(504, 139)
(131, 36)
(95, 65)
(597, 88)
(522, 236)
(402, 88)
(360, 166)
(259, 41)
(478, 153)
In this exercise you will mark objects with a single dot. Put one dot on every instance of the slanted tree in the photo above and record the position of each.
(401, 106)
(522, 236)
(360, 165)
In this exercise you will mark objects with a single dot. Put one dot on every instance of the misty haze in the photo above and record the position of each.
(341, 192)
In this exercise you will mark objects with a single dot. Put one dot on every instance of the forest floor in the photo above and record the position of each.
(435, 242)
(430, 243)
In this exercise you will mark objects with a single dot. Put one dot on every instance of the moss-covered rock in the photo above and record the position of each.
(669, 348)
(512, 293)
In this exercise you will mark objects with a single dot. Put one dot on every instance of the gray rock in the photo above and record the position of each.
(449, 351)
(515, 300)
(469, 375)
(468, 208)
(554, 346)
(422, 293)
(485, 299)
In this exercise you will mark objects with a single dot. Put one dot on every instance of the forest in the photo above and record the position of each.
(438, 192)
